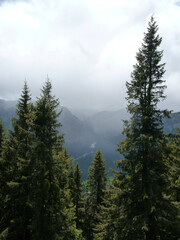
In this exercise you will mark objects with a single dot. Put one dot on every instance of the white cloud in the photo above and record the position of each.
(86, 47)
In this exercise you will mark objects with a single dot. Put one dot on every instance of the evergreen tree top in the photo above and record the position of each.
(146, 87)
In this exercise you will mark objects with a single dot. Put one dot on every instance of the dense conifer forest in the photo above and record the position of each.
(42, 195)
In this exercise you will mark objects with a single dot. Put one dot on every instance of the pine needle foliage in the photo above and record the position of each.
(16, 156)
(53, 213)
(145, 210)
(95, 192)
(78, 196)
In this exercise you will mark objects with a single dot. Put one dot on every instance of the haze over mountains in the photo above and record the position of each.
(90, 131)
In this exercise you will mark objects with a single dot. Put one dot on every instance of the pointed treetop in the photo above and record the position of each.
(47, 87)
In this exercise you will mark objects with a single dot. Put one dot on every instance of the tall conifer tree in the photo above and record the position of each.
(95, 192)
(53, 218)
(172, 156)
(175, 167)
(2, 183)
(16, 156)
(145, 210)
(77, 196)
(1, 136)
(75, 186)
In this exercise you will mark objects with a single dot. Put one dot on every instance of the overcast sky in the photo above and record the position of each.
(87, 48)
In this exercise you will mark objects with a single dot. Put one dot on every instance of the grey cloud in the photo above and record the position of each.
(85, 47)
(178, 4)
(11, 1)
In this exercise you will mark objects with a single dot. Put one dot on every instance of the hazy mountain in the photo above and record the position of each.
(7, 110)
(108, 122)
(83, 137)
(78, 136)
(83, 114)
(171, 123)
(4, 104)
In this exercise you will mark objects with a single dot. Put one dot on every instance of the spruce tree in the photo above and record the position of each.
(66, 228)
(23, 139)
(75, 186)
(174, 165)
(1, 136)
(45, 128)
(107, 217)
(172, 156)
(53, 216)
(144, 211)
(95, 192)
(70, 169)
(77, 196)
(2, 183)
(16, 156)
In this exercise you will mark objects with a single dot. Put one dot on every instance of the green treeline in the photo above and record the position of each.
(42, 195)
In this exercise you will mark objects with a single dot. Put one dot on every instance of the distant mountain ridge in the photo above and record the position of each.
(102, 130)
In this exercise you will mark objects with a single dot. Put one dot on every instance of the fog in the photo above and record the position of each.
(86, 47)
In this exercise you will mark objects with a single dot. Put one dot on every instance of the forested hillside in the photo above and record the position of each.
(42, 194)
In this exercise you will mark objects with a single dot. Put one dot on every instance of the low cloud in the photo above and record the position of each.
(86, 47)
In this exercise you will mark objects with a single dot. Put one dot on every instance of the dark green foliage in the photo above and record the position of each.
(107, 218)
(1, 136)
(173, 159)
(77, 196)
(65, 220)
(16, 157)
(2, 179)
(34, 175)
(97, 180)
(145, 212)
(95, 192)
(75, 186)
(70, 169)
(174, 166)
(172, 156)
(53, 216)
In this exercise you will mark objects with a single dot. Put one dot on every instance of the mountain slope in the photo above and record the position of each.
(102, 131)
